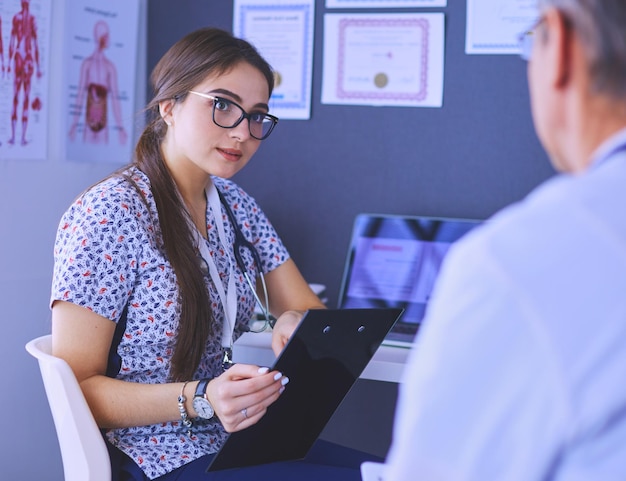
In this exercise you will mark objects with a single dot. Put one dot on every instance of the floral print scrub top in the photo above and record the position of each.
(108, 256)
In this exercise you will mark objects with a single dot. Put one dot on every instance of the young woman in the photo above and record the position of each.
(150, 288)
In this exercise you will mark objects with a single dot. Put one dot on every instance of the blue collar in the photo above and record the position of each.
(613, 145)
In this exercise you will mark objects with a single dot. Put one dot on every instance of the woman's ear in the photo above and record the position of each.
(165, 110)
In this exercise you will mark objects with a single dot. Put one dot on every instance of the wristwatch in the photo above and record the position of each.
(201, 404)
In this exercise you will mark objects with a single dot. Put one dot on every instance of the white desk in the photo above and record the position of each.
(386, 365)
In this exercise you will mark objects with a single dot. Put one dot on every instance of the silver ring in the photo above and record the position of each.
(244, 411)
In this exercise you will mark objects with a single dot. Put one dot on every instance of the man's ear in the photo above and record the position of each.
(558, 38)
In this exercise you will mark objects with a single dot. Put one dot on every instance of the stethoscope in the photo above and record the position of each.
(242, 243)
(227, 290)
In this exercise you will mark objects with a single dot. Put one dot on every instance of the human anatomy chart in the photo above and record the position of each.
(24, 53)
(100, 57)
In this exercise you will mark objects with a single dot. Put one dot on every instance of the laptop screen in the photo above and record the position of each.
(393, 261)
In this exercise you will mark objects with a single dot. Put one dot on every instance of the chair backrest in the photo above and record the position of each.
(83, 450)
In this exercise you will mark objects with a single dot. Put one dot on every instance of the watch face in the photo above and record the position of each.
(203, 407)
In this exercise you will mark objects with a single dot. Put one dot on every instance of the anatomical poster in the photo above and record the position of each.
(100, 69)
(24, 78)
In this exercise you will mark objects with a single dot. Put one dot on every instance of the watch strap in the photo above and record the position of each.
(201, 388)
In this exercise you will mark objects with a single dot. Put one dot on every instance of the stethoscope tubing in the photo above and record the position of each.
(242, 243)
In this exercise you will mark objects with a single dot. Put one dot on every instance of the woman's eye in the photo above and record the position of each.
(257, 117)
(221, 104)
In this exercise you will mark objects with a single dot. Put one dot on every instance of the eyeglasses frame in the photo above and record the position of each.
(526, 39)
(244, 115)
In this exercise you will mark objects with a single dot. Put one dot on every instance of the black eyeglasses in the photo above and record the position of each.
(527, 39)
(228, 114)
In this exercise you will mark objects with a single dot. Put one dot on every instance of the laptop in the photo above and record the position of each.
(323, 359)
(393, 261)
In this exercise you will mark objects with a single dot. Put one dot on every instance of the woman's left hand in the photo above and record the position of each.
(283, 329)
(290, 295)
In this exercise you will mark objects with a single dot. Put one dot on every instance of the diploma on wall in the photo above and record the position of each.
(383, 59)
(493, 26)
(282, 31)
(384, 3)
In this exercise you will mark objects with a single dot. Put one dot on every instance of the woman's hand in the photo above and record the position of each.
(241, 395)
(283, 329)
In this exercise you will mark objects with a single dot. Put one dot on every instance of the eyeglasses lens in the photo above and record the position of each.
(261, 126)
(226, 115)
(229, 115)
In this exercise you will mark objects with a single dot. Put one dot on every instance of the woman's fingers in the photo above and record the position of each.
(242, 394)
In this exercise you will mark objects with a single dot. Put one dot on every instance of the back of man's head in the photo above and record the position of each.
(601, 26)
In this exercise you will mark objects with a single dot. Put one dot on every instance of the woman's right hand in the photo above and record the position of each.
(241, 395)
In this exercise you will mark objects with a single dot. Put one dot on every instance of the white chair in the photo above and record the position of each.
(83, 450)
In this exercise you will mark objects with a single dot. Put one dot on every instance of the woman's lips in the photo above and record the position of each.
(231, 155)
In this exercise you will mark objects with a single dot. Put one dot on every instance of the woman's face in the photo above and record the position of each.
(194, 145)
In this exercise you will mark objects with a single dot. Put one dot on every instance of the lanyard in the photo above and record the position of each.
(228, 296)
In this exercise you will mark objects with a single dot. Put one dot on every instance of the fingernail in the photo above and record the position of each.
(281, 390)
(285, 380)
(277, 376)
(263, 370)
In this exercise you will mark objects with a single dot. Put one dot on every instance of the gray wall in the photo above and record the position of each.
(468, 159)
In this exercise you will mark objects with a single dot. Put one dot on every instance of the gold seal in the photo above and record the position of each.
(381, 80)
(277, 78)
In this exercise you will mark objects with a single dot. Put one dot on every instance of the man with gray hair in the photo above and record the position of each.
(519, 372)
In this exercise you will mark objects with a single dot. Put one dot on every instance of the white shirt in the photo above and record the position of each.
(519, 372)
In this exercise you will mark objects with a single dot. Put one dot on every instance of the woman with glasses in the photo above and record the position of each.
(156, 271)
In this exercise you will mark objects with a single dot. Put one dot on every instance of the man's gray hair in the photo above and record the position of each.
(601, 25)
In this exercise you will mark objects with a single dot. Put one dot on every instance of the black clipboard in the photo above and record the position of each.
(323, 359)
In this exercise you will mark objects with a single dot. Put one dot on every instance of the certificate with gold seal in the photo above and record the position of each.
(282, 31)
(384, 59)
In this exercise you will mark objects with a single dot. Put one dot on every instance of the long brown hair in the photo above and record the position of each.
(202, 53)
